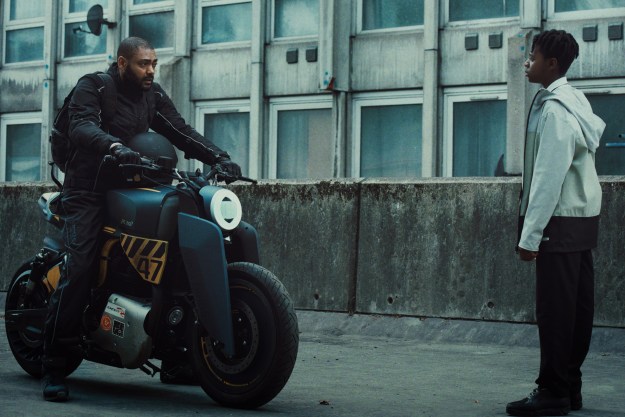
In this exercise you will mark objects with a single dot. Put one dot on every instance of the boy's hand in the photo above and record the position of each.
(527, 255)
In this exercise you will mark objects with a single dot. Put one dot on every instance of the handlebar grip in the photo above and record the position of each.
(246, 179)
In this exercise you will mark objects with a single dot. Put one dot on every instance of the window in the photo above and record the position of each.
(388, 14)
(301, 138)
(20, 147)
(76, 42)
(24, 33)
(459, 10)
(227, 124)
(295, 18)
(475, 132)
(585, 8)
(607, 99)
(152, 20)
(387, 135)
(226, 21)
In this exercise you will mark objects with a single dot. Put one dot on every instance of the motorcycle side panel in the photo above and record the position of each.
(146, 212)
(201, 245)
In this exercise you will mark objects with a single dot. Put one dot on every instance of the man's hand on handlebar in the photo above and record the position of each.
(227, 167)
(124, 155)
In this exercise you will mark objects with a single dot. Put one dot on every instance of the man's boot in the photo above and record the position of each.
(53, 380)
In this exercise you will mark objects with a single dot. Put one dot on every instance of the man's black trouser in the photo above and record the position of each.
(564, 311)
(83, 212)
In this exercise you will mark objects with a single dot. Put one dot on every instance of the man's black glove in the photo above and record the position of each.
(125, 155)
(228, 167)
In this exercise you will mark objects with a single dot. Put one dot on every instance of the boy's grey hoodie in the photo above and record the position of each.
(561, 198)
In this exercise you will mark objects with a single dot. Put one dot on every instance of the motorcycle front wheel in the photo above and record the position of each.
(25, 336)
(266, 339)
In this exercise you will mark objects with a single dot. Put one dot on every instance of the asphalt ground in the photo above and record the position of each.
(351, 366)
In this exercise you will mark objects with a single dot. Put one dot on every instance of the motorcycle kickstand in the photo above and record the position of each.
(150, 369)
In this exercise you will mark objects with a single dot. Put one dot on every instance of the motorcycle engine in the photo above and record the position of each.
(121, 330)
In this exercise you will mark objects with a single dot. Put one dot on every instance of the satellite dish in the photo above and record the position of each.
(95, 20)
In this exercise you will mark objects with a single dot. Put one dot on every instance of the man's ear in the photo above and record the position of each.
(122, 63)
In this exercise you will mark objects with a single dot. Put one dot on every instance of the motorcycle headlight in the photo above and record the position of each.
(223, 206)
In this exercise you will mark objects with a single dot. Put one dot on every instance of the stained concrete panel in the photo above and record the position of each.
(221, 74)
(442, 248)
(307, 237)
(481, 66)
(21, 89)
(609, 257)
(383, 61)
(283, 78)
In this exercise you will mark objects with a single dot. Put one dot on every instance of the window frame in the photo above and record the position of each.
(276, 105)
(605, 86)
(10, 25)
(581, 14)
(377, 99)
(454, 95)
(151, 8)
(225, 107)
(78, 17)
(16, 119)
(219, 45)
(288, 39)
(476, 23)
(360, 31)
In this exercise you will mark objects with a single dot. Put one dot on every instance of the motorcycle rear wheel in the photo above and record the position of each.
(27, 343)
(266, 338)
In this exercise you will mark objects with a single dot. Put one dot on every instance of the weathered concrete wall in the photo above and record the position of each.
(432, 247)
(22, 226)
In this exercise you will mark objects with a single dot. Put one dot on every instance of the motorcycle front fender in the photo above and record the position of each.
(202, 248)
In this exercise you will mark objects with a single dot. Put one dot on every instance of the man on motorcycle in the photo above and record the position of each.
(141, 105)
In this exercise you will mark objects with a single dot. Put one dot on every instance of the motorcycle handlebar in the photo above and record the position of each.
(215, 172)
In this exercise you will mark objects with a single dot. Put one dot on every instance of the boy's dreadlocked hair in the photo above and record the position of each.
(557, 44)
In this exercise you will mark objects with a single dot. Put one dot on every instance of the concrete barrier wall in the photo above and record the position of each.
(430, 247)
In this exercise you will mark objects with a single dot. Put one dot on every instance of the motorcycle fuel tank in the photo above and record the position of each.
(146, 212)
(121, 331)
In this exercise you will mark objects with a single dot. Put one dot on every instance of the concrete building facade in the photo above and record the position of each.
(320, 88)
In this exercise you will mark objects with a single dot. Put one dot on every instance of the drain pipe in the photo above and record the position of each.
(257, 100)
(430, 88)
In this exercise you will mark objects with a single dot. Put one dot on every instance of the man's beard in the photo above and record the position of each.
(138, 81)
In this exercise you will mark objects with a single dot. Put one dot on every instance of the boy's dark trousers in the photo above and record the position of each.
(564, 311)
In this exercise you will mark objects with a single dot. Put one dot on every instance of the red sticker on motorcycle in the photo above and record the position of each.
(105, 323)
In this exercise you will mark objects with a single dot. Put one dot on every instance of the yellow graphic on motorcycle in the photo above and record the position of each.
(147, 256)
(51, 281)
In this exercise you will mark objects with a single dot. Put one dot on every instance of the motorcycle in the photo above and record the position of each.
(179, 281)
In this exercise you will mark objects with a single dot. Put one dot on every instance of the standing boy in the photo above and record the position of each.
(559, 218)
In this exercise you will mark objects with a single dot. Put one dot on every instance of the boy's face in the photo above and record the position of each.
(539, 69)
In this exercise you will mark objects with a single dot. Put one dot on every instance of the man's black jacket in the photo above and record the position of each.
(135, 113)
